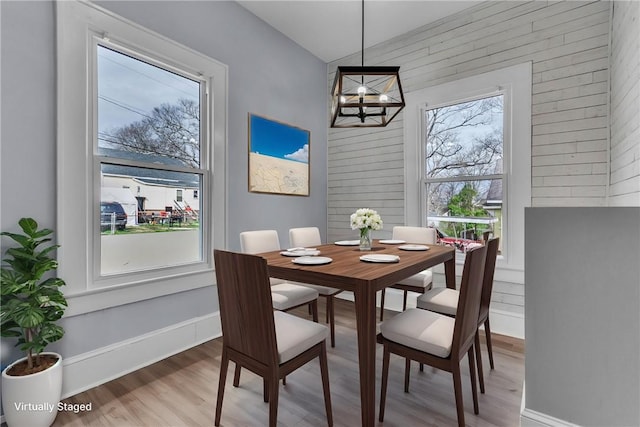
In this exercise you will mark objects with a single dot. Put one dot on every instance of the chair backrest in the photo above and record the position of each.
(246, 310)
(255, 242)
(305, 237)
(469, 301)
(489, 270)
(423, 235)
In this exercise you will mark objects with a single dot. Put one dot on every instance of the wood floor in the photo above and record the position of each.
(181, 390)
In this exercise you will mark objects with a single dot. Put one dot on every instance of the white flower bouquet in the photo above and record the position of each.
(366, 218)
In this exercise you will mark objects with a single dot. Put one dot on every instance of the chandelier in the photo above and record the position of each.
(365, 96)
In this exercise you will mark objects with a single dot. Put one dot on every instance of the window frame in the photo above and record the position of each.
(515, 84)
(80, 26)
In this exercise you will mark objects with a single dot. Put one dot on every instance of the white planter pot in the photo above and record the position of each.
(32, 400)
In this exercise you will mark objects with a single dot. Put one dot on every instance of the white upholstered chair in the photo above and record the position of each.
(285, 295)
(307, 237)
(422, 281)
(445, 301)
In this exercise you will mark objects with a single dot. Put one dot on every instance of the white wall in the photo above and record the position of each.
(567, 43)
(582, 363)
(625, 104)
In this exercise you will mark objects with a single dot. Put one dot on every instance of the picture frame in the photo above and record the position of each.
(278, 157)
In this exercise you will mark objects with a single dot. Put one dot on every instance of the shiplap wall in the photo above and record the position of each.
(625, 104)
(568, 45)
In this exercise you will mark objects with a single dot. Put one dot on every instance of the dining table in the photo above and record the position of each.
(339, 265)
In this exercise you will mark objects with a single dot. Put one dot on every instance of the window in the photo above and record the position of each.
(468, 161)
(141, 119)
(463, 171)
(149, 132)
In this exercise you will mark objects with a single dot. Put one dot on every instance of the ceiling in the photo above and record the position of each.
(331, 29)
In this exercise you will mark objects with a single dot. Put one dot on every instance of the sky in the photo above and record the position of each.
(275, 139)
(129, 89)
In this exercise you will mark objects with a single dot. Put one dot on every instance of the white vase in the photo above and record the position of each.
(32, 400)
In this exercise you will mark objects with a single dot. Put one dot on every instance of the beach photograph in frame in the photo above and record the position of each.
(278, 157)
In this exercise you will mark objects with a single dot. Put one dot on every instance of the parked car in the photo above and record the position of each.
(106, 211)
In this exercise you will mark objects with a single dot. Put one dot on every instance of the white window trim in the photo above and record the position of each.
(515, 82)
(78, 23)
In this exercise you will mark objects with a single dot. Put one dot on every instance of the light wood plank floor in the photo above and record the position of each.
(181, 390)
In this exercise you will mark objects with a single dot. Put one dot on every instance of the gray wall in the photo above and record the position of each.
(582, 315)
(268, 75)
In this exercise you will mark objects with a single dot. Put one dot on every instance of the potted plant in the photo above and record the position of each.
(31, 303)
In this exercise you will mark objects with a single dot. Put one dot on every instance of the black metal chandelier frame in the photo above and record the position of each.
(366, 96)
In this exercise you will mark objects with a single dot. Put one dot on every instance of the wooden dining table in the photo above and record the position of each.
(347, 272)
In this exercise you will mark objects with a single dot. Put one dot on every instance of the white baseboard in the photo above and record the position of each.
(102, 365)
(530, 418)
(502, 322)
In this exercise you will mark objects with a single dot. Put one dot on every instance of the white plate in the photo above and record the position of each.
(392, 242)
(312, 260)
(301, 252)
(413, 247)
(380, 258)
(347, 242)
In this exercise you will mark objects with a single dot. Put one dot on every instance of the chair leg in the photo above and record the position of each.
(273, 401)
(382, 304)
(383, 387)
(326, 312)
(314, 310)
(324, 372)
(404, 301)
(407, 372)
(479, 361)
(487, 334)
(236, 375)
(224, 365)
(457, 389)
(472, 374)
(331, 319)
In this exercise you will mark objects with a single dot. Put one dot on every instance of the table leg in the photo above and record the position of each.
(450, 272)
(365, 304)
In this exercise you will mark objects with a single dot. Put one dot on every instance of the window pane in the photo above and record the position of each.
(465, 139)
(463, 211)
(142, 224)
(145, 109)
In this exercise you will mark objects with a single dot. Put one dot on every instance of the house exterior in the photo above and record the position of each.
(155, 191)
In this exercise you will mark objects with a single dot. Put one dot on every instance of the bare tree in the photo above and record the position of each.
(450, 152)
(462, 140)
(169, 130)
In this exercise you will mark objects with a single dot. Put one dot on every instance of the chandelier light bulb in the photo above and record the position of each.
(384, 98)
(362, 91)
(343, 100)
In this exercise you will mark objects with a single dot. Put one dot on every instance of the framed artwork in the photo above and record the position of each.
(278, 157)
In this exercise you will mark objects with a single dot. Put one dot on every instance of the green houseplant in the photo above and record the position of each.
(31, 304)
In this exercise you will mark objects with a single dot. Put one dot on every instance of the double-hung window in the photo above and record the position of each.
(468, 160)
(463, 174)
(142, 134)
